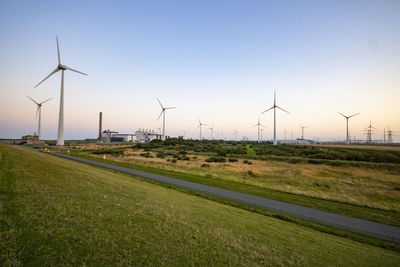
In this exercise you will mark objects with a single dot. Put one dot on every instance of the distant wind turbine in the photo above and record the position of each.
(274, 107)
(39, 112)
(258, 129)
(60, 135)
(211, 131)
(163, 113)
(201, 124)
(302, 131)
(347, 125)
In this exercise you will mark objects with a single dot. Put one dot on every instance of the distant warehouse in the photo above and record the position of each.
(141, 136)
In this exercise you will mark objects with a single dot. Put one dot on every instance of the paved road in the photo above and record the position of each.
(370, 228)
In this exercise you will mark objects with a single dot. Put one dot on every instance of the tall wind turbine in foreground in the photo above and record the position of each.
(347, 125)
(274, 107)
(258, 129)
(39, 111)
(60, 135)
(163, 113)
(201, 124)
(302, 131)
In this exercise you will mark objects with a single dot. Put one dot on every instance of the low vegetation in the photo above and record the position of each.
(60, 212)
(347, 188)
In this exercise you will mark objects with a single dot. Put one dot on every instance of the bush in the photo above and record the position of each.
(205, 165)
(247, 162)
(109, 152)
(173, 160)
(216, 159)
(146, 155)
(232, 160)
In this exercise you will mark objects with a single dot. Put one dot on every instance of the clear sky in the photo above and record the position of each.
(219, 61)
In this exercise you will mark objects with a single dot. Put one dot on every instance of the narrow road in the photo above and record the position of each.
(370, 228)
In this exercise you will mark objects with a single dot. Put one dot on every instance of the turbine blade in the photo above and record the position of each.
(267, 110)
(46, 101)
(354, 115)
(160, 103)
(255, 125)
(283, 109)
(54, 71)
(68, 68)
(58, 52)
(37, 111)
(160, 114)
(342, 115)
(33, 101)
(170, 108)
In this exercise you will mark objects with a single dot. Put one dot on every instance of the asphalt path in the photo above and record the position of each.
(379, 230)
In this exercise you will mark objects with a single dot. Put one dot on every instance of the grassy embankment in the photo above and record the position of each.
(59, 212)
(360, 192)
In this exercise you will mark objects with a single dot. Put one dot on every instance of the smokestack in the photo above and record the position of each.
(100, 124)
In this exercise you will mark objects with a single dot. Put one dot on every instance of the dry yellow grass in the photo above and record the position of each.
(373, 188)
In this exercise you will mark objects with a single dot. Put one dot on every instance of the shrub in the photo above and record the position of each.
(146, 155)
(216, 159)
(247, 162)
(232, 160)
(205, 165)
(251, 173)
(173, 160)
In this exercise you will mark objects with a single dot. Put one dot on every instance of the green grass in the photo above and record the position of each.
(217, 179)
(59, 212)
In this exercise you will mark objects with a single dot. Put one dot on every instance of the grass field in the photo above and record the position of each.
(360, 192)
(59, 212)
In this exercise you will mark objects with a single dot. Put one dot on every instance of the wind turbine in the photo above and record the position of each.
(60, 135)
(347, 125)
(274, 107)
(258, 129)
(302, 131)
(211, 131)
(39, 111)
(201, 124)
(163, 113)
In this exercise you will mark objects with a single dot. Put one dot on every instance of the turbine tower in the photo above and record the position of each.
(39, 112)
(302, 131)
(274, 107)
(258, 129)
(163, 113)
(347, 125)
(211, 131)
(201, 124)
(60, 135)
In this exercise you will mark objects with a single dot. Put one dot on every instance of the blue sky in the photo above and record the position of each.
(219, 61)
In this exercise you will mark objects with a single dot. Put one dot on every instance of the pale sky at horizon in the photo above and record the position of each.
(219, 61)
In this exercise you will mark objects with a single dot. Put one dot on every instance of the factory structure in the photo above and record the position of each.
(140, 136)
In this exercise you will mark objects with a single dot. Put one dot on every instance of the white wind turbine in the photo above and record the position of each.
(163, 113)
(201, 124)
(347, 125)
(258, 129)
(302, 131)
(60, 135)
(39, 112)
(211, 131)
(274, 107)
